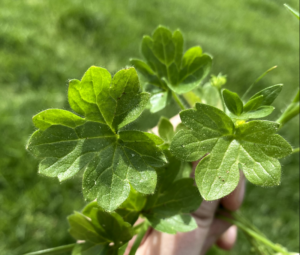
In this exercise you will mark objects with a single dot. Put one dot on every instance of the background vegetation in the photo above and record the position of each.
(45, 43)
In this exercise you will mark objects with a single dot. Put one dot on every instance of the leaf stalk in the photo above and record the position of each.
(140, 235)
(55, 250)
(257, 80)
(255, 234)
(291, 111)
(178, 101)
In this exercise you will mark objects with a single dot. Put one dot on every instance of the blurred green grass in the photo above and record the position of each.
(45, 43)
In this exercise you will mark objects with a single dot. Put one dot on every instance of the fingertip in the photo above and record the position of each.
(227, 240)
(235, 199)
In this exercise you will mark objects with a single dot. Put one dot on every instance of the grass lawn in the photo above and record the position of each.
(45, 43)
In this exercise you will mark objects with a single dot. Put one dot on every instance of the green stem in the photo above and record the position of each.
(255, 235)
(222, 99)
(137, 228)
(139, 238)
(178, 101)
(257, 80)
(290, 112)
(295, 150)
(56, 250)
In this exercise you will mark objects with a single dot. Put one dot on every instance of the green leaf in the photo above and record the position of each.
(195, 67)
(173, 224)
(262, 133)
(261, 112)
(293, 11)
(178, 42)
(252, 147)
(163, 46)
(132, 161)
(112, 160)
(208, 123)
(122, 249)
(233, 102)
(160, 100)
(269, 94)
(174, 198)
(50, 117)
(253, 104)
(165, 129)
(192, 98)
(81, 228)
(164, 56)
(132, 206)
(121, 102)
(88, 248)
(139, 136)
(147, 50)
(147, 72)
(100, 227)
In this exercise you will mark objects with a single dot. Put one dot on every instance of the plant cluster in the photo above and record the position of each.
(129, 174)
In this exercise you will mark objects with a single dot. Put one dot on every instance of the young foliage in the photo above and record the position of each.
(258, 106)
(165, 130)
(233, 102)
(168, 68)
(209, 93)
(168, 209)
(225, 148)
(102, 232)
(113, 159)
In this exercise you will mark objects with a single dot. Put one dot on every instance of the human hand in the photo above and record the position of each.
(211, 230)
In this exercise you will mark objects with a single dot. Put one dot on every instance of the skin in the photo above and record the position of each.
(210, 230)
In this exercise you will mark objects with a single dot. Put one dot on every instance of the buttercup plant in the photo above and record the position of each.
(129, 174)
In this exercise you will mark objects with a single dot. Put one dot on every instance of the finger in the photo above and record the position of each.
(234, 200)
(220, 227)
(217, 228)
(190, 243)
(159, 243)
(131, 242)
(228, 238)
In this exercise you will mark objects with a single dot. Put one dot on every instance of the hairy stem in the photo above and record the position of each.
(290, 112)
(255, 235)
(222, 99)
(56, 250)
(257, 80)
(140, 235)
(178, 101)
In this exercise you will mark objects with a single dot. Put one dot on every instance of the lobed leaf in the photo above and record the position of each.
(252, 147)
(167, 67)
(112, 159)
